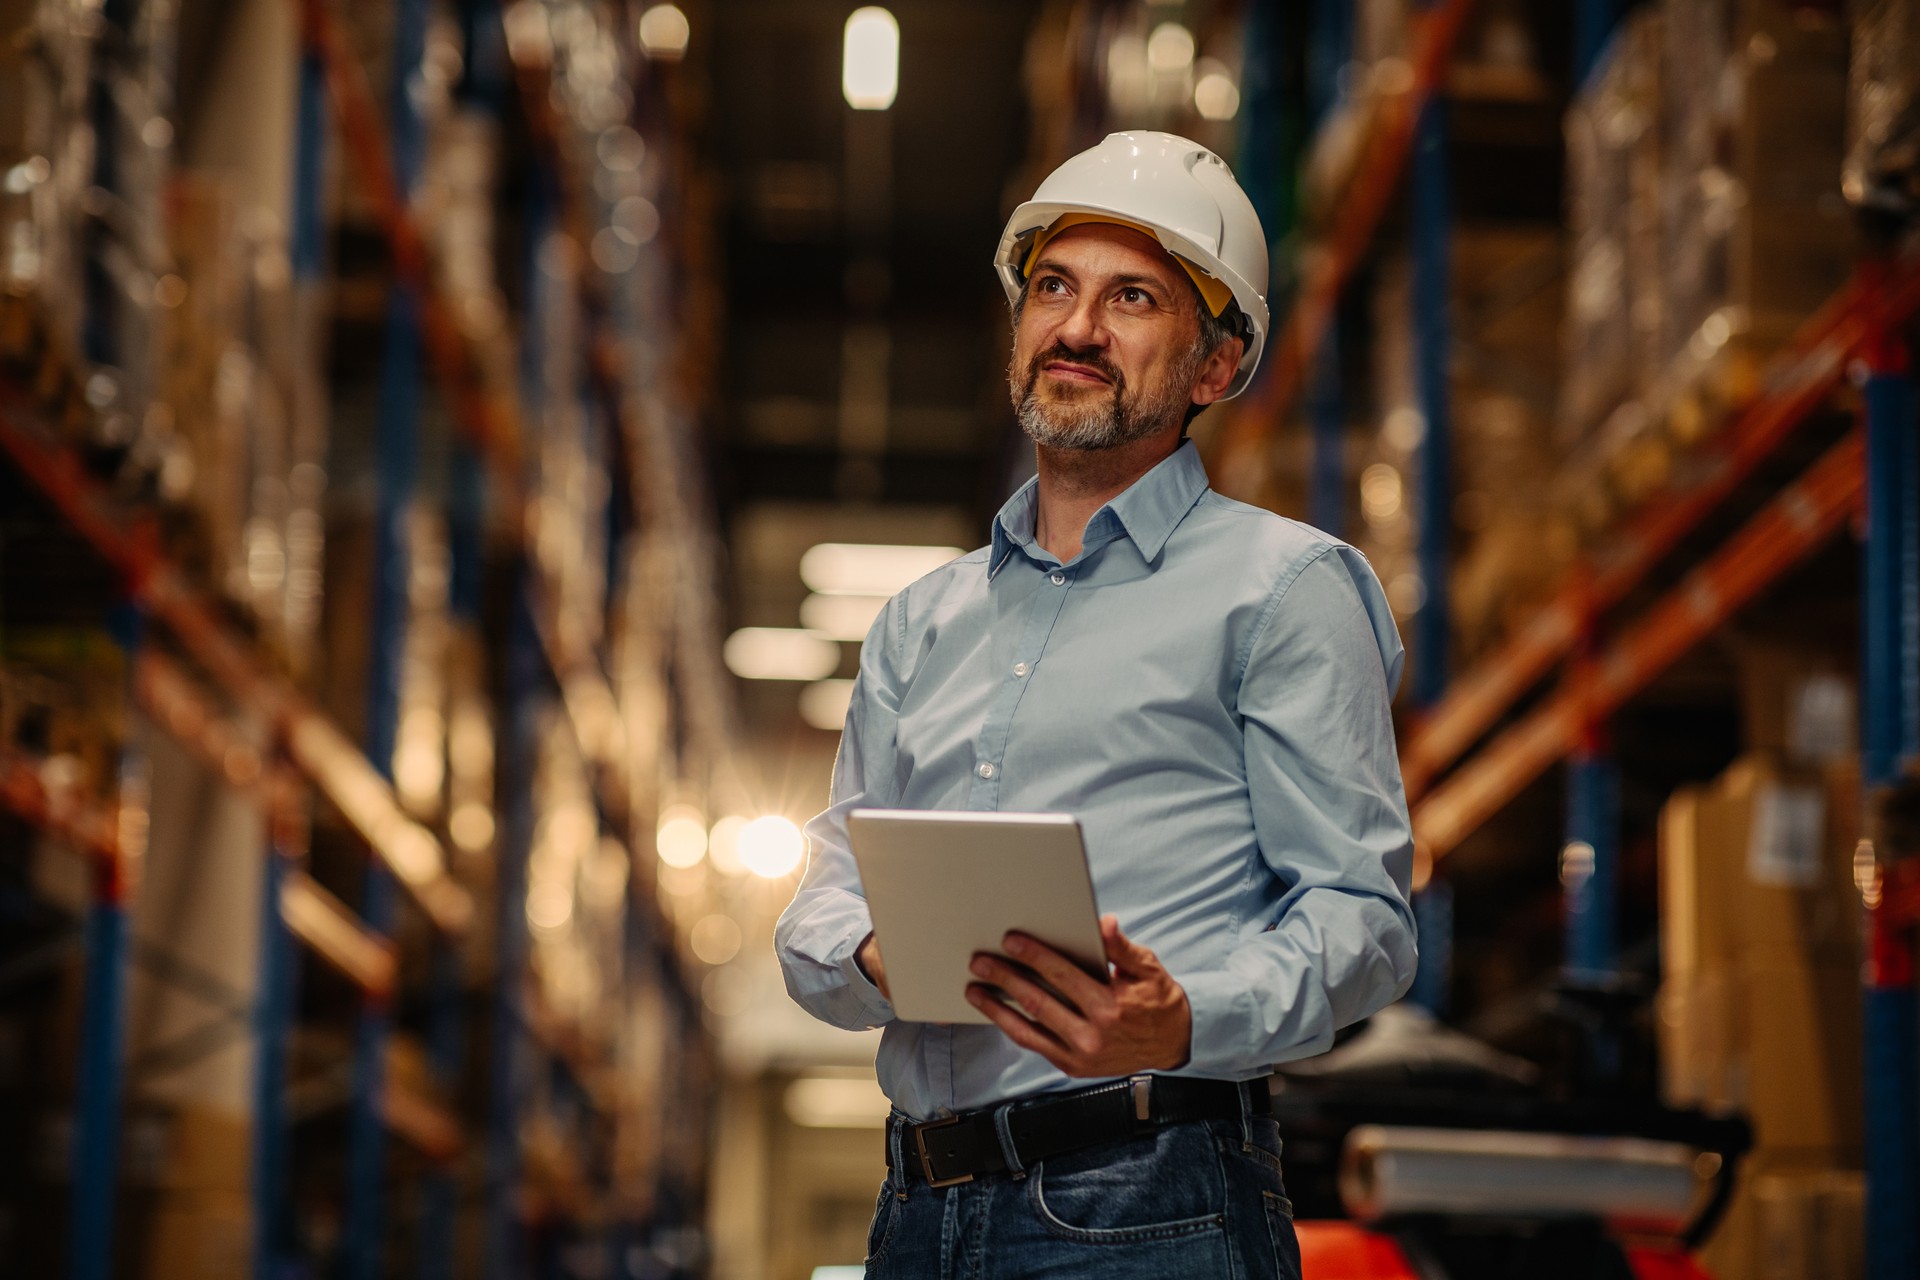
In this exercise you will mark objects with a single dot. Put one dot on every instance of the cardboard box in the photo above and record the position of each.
(1757, 868)
(1700, 1038)
(1809, 1226)
(197, 1236)
(1799, 1058)
(1782, 1198)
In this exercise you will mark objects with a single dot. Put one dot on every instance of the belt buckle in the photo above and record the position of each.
(926, 1160)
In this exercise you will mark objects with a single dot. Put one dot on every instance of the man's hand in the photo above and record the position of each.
(1138, 1021)
(867, 956)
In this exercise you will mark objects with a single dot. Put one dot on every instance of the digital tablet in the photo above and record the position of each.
(943, 885)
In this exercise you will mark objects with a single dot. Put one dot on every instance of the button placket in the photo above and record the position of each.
(1043, 610)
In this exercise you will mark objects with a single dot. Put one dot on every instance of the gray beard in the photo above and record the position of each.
(1108, 421)
(1103, 423)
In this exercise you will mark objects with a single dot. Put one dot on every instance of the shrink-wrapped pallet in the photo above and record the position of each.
(1883, 107)
(1611, 325)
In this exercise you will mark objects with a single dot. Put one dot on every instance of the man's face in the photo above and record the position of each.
(1106, 345)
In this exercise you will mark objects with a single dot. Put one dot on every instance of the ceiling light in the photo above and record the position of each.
(723, 844)
(823, 704)
(1215, 96)
(869, 569)
(1170, 49)
(780, 653)
(771, 847)
(714, 939)
(870, 59)
(842, 617)
(664, 32)
(681, 838)
(837, 1102)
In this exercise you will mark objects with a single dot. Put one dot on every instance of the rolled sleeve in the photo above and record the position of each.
(821, 929)
(1330, 816)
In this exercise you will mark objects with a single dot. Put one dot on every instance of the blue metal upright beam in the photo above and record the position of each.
(1593, 24)
(1589, 865)
(1431, 294)
(398, 461)
(1326, 412)
(524, 685)
(273, 1026)
(1432, 337)
(96, 1130)
(1890, 731)
(279, 957)
(96, 1134)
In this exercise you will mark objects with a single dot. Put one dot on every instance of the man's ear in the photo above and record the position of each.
(1216, 375)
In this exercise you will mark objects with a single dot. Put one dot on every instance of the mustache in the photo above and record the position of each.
(1089, 359)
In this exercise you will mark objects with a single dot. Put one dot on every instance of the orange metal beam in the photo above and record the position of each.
(316, 746)
(1239, 449)
(492, 424)
(1798, 520)
(1798, 381)
(89, 829)
(336, 935)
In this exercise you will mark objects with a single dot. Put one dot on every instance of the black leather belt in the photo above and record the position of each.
(971, 1145)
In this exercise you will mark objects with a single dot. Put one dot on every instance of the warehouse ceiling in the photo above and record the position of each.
(858, 393)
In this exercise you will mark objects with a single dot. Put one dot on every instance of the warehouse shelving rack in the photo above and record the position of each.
(1873, 472)
(308, 747)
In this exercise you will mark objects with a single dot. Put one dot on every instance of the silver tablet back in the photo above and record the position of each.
(943, 885)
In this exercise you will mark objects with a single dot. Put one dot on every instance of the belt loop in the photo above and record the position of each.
(897, 1152)
(1003, 1129)
(1245, 1092)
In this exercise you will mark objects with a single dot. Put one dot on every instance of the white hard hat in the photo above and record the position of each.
(1177, 191)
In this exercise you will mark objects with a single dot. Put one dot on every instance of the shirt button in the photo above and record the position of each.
(1021, 668)
(985, 770)
(1059, 578)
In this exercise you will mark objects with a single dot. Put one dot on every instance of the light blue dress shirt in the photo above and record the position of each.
(1205, 687)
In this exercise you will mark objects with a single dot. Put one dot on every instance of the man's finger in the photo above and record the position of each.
(1123, 953)
(1042, 1006)
(1066, 977)
(1018, 1029)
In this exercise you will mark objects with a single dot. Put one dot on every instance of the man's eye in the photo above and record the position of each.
(1135, 295)
(1051, 284)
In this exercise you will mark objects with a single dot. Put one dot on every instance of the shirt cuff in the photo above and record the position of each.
(874, 1007)
(1221, 1004)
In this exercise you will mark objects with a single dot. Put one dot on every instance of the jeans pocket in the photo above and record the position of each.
(1158, 1188)
(880, 1233)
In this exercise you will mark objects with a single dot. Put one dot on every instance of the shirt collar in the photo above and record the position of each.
(1148, 512)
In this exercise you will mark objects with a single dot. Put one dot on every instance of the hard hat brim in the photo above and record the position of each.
(1035, 216)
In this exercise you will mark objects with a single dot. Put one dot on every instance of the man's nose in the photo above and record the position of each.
(1083, 328)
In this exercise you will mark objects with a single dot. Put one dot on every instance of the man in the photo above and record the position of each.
(1205, 686)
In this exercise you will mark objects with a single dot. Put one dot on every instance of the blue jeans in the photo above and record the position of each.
(1202, 1199)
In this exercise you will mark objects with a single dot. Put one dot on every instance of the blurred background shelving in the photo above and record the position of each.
(450, 452)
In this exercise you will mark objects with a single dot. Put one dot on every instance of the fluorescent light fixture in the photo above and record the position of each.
(771, 847)
(780, 653)
(663, 33)
(715, 939)
(870, 59)
(1215, 96)
(842, 617)
(823, 704)
(723, 845)
(1170, 49)
(836, 1102)
(868, 569)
